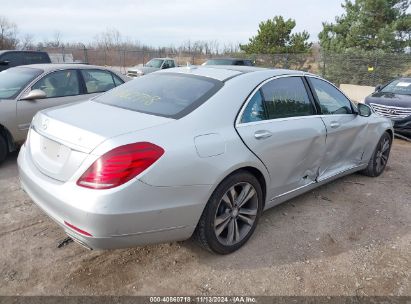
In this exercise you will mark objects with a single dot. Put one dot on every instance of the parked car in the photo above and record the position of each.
(393, 101)
(153, 65)
(27, 89)
(9, 59)
(195, 150)
(229, 61)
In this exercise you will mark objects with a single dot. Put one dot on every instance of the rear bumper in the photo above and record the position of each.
(136, 214)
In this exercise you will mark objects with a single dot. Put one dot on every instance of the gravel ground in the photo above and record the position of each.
(350, 237)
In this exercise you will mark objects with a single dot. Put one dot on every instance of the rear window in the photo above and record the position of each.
(166, 94)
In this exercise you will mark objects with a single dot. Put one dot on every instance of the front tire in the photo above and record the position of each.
(3, 149)
(231, 214)
(379, 158)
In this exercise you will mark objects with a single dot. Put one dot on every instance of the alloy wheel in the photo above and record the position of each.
(236, 213)
(382, 154)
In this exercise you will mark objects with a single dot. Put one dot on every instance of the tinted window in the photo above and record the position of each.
(219, 62)
(98, 80)
(14, 58)
(331, 100)
(399, 86)
(13, 81)
(31, 58)
(117, 80)
(254, 110)
(165, 94)
(286, 97)
(59, 84)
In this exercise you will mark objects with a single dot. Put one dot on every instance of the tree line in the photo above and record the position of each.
(366, 27)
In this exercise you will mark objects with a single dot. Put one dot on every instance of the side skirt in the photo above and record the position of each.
(289, 195)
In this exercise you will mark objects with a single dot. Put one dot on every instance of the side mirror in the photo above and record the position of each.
(4, 62)
(378, 88)
(364, 110)
(35, 94)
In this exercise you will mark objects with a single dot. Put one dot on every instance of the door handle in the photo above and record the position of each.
(335, 125)
(263, 134)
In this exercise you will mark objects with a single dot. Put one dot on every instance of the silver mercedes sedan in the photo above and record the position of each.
(195, 151)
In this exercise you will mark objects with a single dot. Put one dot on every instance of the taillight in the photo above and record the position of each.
(120, 165)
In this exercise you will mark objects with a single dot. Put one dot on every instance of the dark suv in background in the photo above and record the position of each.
(393, 101)
(9, 59)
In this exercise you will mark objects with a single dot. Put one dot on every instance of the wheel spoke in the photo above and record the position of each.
(378, 164)
(232, 195)
(247, 211)
(385, 146)
(244, 191)
(221, 219)
(222, 226)
(384, 159)
(227, 201)
(230, 233)
(249, 194)
(245, 219)
(236, 231)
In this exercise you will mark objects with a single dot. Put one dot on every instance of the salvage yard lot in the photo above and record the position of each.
(350, 237)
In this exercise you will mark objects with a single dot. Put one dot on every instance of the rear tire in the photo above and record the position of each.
(379, 158)
(3, 149)
(231, 214)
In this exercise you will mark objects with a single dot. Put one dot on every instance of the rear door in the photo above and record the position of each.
(346, 130)
(280, 126)
(61, 87)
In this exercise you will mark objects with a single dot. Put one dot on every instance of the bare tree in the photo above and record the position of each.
(8, 34)
(27, 42)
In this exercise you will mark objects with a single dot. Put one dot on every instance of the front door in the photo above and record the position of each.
(346, 130)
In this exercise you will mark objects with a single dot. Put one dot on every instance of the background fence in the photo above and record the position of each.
(349, 68)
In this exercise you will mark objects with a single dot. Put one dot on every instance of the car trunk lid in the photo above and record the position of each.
(61, 138)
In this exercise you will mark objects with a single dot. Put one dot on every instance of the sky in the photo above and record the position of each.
(163, 22)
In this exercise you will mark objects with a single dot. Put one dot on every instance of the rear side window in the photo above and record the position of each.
(166, 94)
(331, 100)
(286, 97)
(98, 81)
(59, 84)
(32, 58)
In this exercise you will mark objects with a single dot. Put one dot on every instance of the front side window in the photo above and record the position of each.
(59, 84)
(166, 94)
(286, 97)
(13, 81)
(98, 81)
(331, 100)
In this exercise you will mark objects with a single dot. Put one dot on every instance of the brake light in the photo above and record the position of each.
(120, 165)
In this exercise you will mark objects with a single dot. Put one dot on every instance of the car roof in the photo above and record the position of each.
(227, 72)
(20, 51)
(59, 66)
(229, 58)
